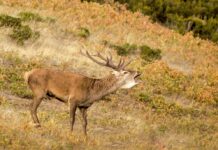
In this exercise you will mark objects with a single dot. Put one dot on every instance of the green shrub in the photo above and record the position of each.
(146, 52)
(144, 97)
(125, 49)
(149, 54)
(177, 23)
(9, 21)
(83, 32)
(23, 33)
(20, 33)
(215, 37)
(210, 30)
(29, 16)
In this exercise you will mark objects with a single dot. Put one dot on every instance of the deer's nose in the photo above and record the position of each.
(138, 73)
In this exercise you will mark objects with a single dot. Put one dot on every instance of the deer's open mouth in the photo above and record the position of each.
(137, 77)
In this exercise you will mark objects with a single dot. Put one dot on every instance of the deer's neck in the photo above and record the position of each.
(103, 87)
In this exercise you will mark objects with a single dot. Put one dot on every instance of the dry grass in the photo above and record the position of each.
(112, 125)
(174, 108)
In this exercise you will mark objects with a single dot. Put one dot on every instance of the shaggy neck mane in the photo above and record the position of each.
(102, 87)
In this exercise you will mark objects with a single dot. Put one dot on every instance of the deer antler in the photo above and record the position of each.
(108, 61)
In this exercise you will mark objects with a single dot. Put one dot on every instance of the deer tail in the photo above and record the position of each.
(27, 75)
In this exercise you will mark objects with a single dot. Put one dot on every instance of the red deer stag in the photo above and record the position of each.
(78, 90)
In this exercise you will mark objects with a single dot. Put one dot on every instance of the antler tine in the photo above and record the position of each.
(120, 61)
(87, 54)
(125, 65)
(100, 56)
(108, 61)
(110, 56)
(122, 64)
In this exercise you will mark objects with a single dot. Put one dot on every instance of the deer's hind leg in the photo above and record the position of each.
(38, 96)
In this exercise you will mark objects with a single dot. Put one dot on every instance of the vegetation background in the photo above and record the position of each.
(175, 107)
(198, 16)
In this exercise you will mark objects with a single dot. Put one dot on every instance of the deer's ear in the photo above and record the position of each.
(116, 73)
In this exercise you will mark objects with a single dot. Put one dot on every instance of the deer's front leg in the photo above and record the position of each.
(73, 107)
(83, 111)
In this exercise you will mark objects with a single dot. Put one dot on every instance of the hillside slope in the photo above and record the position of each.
(174, 108)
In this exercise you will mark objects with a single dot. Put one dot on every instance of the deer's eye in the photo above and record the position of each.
(125, 72)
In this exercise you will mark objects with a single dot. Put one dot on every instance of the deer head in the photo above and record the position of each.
(126, 78)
